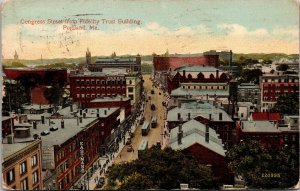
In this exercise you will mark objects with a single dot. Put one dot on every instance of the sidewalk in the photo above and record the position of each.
(105, 162)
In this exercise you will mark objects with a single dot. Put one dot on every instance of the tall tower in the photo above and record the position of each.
(88, 57)
(16, 56)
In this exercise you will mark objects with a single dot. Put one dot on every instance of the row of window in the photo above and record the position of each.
(98, 88)
(98, 95)
(280, 85)
(103, 82)
(24, 182)
(280, 80)
(205, 87)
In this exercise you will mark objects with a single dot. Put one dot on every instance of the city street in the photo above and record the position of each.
(155, 134)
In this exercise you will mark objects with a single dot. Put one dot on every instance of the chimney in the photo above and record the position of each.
(80, 119)
(206, 134)
(210, 117)
(62, 124)
(105, 112)
(178, 116)
(206, 96)
(189, 116)
(86, 110)
(230, 58)
(20, 119)
(43, 119)
(97, 110)
(121, 98)
(84, 115)
(217, 74)
(10, 139)
(34, 125)
(220, 116)
(71, 108)
(77, 121)
(180, 134)
(242, 125)
(49, 121)
(80, 112)
(184, 73)
(98, 115)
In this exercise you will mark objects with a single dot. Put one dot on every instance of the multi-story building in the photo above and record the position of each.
(22, 164)
(243, 110)
(131, 63)
(249, 92)
(41, 76)
(163, 65)
(205, 113)
(190, 76)
(204, 144)
(134, 88)
(110, 83)
(274, 85)
(86, 87)
(270, 135)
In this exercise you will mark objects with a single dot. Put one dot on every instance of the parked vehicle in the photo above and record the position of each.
(129, 148)
(128, 142)
(145, 128)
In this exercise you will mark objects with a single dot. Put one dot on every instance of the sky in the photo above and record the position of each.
(179, 26)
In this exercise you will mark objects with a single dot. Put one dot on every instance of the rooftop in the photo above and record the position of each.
(36, 106)
(10, 149)
(197, 109)
(261, 116)
(199, 92)
(116, 60)
(194, 132)
(197, 69)
(258, 126)
(110, 99)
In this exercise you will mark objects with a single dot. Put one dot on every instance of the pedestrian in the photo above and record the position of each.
(133, 150)
(120, 155)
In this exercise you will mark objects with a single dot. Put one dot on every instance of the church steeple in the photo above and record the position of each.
(16, 56)
(88, 56)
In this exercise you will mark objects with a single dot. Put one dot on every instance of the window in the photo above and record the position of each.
(131, 97)
(92, 88)
(87, 81)
(78, 95)
(130, 89)
(77, 81)
(10, 176)
(130, 82)
(23, 168)
(34, 160)
(24, 184)
(35, 177)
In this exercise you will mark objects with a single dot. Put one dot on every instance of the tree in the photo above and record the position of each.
(287, 104)
(54, 95)
(161, 169)
(263, 168)
(251, 75)
(113, 55)
(282, 67)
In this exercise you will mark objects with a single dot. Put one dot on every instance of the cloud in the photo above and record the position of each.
(53, 42)
(239, 30)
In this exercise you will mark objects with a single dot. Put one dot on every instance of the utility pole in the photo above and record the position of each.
(10, 112)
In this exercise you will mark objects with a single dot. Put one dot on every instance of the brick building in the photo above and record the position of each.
(205, 113)
(274, 85)
(270, 135)
(110, 83)
(86, 87)
(249, 92)
(22, 164)
(165, 63)
(189, 77)
(204, 144)
(118, 101)
(131, 63)
(41, 76)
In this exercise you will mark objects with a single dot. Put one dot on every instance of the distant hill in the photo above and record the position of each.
(146, 59)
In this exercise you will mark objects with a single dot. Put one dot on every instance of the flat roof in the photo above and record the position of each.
(194, 132)
(258, 126)
(110, 99)
(197, 69)
(199, 92)
(197, 109)
(10, 149)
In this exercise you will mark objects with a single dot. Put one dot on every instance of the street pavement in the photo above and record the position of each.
(155, 135)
